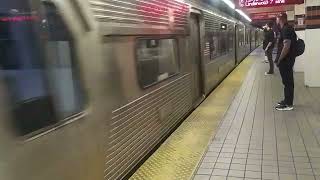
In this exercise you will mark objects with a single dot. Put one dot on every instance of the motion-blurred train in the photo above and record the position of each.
(89, 87)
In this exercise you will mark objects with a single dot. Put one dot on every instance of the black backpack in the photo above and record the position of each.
(299, 47)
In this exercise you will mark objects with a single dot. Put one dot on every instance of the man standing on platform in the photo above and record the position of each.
(269, 48)
(285, 61)
(265, 43)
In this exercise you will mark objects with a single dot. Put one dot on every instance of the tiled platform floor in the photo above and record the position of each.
(254, 141)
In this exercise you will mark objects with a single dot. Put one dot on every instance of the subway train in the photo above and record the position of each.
(88, 88)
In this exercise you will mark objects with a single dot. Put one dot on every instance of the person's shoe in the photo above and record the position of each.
(281, 103)
(268, 73)
(284, 107)
(266, 61)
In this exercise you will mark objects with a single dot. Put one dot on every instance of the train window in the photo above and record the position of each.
(37, 63)
(219, 43)
(157, 59)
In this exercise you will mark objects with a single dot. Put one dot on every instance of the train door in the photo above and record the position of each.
(250, 40)
(236, 44)
(45, 122)
(195, 58)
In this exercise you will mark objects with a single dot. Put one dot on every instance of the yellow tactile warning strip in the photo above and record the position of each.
(179, 156)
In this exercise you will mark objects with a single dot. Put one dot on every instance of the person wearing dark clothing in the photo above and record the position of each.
(269, 47)
(285, 61)
(265, 32)
(265, 43)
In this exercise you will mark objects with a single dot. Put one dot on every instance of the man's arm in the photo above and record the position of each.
(285, 49)
(269, 44)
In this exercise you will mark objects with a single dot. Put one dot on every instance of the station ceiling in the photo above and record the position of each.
(261, 15)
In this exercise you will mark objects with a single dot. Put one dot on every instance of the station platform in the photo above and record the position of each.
(236, 133)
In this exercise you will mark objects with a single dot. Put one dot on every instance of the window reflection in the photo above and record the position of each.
(38, 65)
(220, 43)
(157, 60)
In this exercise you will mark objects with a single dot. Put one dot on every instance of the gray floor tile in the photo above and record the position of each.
(285, 163)
(236, 173)
(269, 157)
(287, 176)
(304, 177)
(216, 145)
(304, 171)
(254, 161)
(254, 156)
(287, 170)
(226, 155)
(315, 159)
(224, 160)
(204, 171)
(220, 172)
(315, 165)
(239, 161)
(285, 159)
(205, 165)
(240, 155)
(218, 178)
(210, 159)
(301, 159)
(227, 150)
(212, 154)
(222, 166)
(201, 177)
(302, 165)
(269, 163)
(253, 174)
(238, 167)
(316, 171)
(270, 169)
(214, 149)
(270, 176)
(229, 146)
(241, 150)
(252, 167)
(255, 151)
(234, 178)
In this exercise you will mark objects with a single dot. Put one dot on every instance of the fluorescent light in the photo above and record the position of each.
(243, 15)
(229, 3)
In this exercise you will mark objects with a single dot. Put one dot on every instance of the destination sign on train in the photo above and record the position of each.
(267, 3)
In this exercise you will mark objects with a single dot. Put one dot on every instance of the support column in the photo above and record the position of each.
(300, 12)
(312, 40)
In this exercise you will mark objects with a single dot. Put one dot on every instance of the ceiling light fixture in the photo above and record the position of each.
(229, 3)
(244, 15)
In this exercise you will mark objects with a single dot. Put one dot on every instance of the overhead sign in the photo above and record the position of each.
(267, 3)
(266, 15)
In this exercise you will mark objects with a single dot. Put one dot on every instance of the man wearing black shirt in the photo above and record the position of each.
(285, 61)
(269, 47)
(265, 42)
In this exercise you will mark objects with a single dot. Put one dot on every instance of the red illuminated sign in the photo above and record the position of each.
(19, 18)
(267, 3)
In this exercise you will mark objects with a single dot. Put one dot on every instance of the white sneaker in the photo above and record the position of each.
(284, 108)
(267, 74)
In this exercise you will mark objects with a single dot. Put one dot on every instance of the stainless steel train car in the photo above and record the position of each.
(89, 87)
